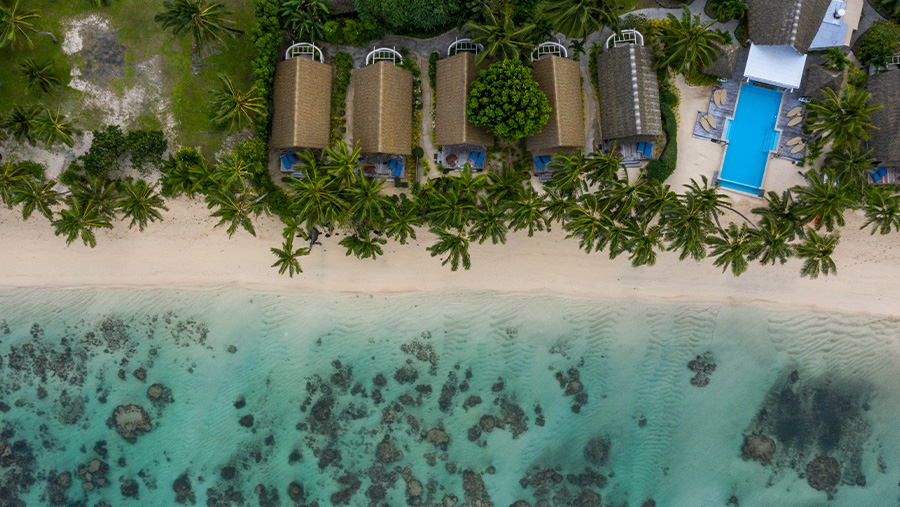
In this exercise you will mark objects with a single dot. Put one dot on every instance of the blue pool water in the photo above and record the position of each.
(751, 135)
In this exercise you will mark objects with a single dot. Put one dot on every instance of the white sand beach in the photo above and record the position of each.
(185, 250)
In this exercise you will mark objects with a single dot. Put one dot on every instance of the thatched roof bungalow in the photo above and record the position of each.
(629, 95)
(725, 64)
(382, 108)
(792, 23)
(560, 80)
(820, 77)
(885, 139)
(301, 115)
(454, 82)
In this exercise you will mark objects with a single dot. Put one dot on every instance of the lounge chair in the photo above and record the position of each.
(538, 161)
(285, 164)
(480, 160)
(648, 150)
(398, 170)
(882, 171)
(292, 158)
(876, 176)
(545, 159)
(392, 164)
(473, 156)
(640, 147)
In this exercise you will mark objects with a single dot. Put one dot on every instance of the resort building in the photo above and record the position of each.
(382, 113)
(629, 98)
(560, 80)
(820, 77)
(301, 117)
(885, 137)
(461, 142)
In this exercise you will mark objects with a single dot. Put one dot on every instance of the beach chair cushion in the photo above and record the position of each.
(648, 150)
(876, 176)
(392, 164)
(640, 147)
(291, 158)
(473, 156)
(480, 160)
(397, 171)
(882, 172)
(545, 159)
(539, 162)
(285, 163)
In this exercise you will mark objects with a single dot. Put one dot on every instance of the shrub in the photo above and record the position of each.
(146, 148)
(879, 43)
(506, 101)
(412, 15)
(342, 63)
(266, 36)
(660, 170)
(334, 32)
(103, 155)
(726, 10)
(360, 32)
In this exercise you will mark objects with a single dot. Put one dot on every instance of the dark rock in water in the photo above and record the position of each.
(267, 496)
(93, 475)
(57, 484)
(487, 423)
(474, 433)
(294, 457)
(100, 448)
(41, 393)
(473, 486)
(407, 400)
(71, 408)
(700, 380)
(498, 386)
(270, 440)
(386, 452)
(823, 473)
(574, 387)
(295, 491)
(520, 503)
(702, 364)
(449, 501)
(121, 374)
(448, 391)
(130, 421)
(471, 401)
(159, 394)
(246, 421)
(733, 502)
(240, 403)
(596, 452)
(438, 438)
(406, 375)
(642, 421)
(376, 492)
(423, 389)
(379, 380)
(4, 407)
(758, 447)
(581, 398)
(183, 492)
(351, 485)
(587, 498)
(140, 374)
(649, 503)
(129, 488)
(232, 349)
(228, 473)
(327, 457)
(450, 467)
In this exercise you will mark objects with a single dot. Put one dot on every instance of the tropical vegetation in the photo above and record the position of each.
(507, 102)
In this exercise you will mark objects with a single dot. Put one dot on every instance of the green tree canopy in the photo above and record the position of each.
(411, 15)
(507, 102)
(578, 18)
(687, 42)
(879, 43)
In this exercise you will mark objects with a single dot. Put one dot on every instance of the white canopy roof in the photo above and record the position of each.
(776, 65)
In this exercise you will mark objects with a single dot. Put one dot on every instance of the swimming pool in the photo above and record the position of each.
(751, 135)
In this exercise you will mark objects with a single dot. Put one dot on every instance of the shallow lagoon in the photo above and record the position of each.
(421, 399)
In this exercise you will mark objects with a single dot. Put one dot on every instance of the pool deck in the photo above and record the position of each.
(789, 101)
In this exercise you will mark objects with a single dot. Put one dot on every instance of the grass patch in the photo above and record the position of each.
(196, 122)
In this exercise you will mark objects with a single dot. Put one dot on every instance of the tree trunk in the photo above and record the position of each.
(50, 35)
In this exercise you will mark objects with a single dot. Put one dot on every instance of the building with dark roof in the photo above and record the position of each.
(629, 95)
(885, 138)
(792, 23)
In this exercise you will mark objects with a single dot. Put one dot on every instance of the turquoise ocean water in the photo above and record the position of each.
(144, 397)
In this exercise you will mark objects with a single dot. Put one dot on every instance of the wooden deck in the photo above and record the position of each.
(788, 102)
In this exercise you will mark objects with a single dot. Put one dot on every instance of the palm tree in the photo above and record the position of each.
(455, 246)
(823, 199)
(16, 24)
(20, 122)
(604, 167)
(557, 206)
(655, 197)
(577, 19)
(305, 17)
(709, 198)
(507, 185)
(317, 200)
(623, 198)
(343, 162)
(102, 194)
(35, 194)
(54, 127)
(882, 209)
(891, 7)
(41, 76)
(686, 225)
(287, 257)
(490, 222)
(588, 220)
(570, 173)
(232, 171)
(771, 241)
(80, 219)
(141, 203)
(842, 118)
(10, 175)
(235, 209)
(837, 59)
(780, 210)
(687, 43)
(402, 221)
(731, 247)
(618, 237)
(527, 212)
(234, 109)
(817, 251)
(368, 207)
(293, 227)
(500, 37)
(852, 162)
(645, 243)
(468, 183)
(451, 209)
(205, 22)
(363, 246)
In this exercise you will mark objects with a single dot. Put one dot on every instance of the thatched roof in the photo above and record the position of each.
(382, 108)
(301, 115)
(560, 80)
(454, 82)
(629, 95)
(820, 77)
(341, 6)
(885, 140)
(725, 64)
(785, 22)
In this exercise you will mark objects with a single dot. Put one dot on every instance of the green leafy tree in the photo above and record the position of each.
(879, 43)
(726, 10)
(731, 247)
(80, 219)
(140, 202)
(604, 166)
(506, 185)
(206, 23)
(557, 205)
(234, 109)
(570, 173)
(506, 101)
(54, 128)
(454, 246)
(412, 16)
(501, 37)
(687, 225)
(780, 209)
(882, 208)
(687, 43)
(16, 24)
(20, 122)
(146, 148)
(10, 175)
(817, 251)
(851, 163)
(35, 193)
(577, 19)
(618, 237)
(41, 76)
(708, 198)
(287, 257)
(363, 245)
(450, 209)
(102, 193)
(837, 59)
(589, 221)
(186, 172)
(842, 118)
